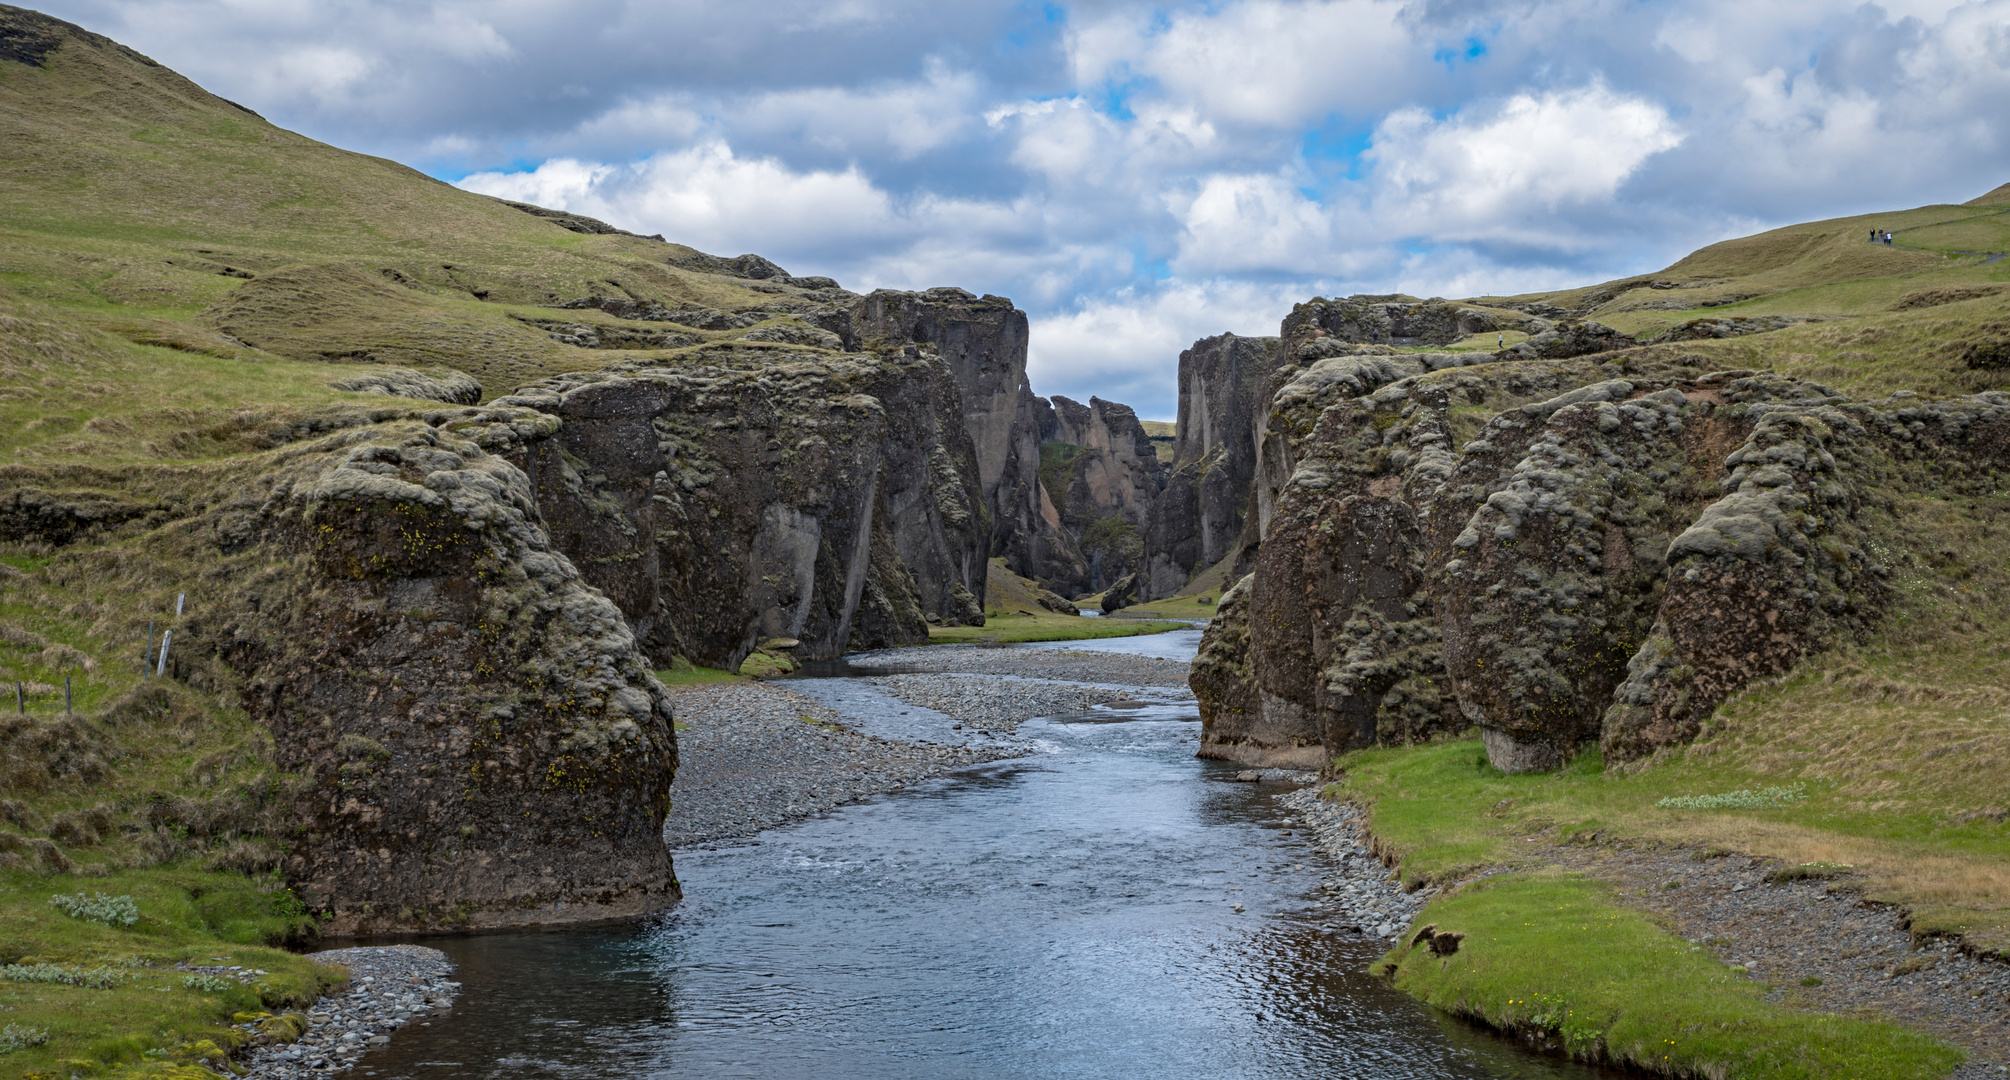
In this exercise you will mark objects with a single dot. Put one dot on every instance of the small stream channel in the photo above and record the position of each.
(1063, 914)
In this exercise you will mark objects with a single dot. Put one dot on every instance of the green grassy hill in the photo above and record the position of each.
(166, 229)
(1929, 313)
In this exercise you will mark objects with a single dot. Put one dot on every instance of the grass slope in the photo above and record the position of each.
(1929, 313)
(139, 204)
(1045, 626)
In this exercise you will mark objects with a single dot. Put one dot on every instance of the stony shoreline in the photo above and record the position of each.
(756, 756)
(1359, 893)
(997, 705)
(389, 986)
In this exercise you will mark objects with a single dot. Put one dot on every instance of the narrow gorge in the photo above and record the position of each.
(683, 663)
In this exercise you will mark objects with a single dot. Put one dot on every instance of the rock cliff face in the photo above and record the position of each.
(982, 340)
(1102, 474)
(477, 740)
(1557, 551)
(1198, 517)
(1386, 320)
(728, 501)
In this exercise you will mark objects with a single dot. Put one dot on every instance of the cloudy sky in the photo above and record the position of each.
(1137, 175)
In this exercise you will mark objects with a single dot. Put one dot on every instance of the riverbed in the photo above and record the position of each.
(1102, 905)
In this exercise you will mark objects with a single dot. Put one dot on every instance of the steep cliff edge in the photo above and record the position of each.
(1198, 517)
(1102, 474)
(983, 342)
(471, 735)
(729, 500)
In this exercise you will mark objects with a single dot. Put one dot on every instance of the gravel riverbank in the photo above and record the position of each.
(753, 756)
(1358, 893)
(998, 705)
(1816, 944)
(389, 986)
(1059, 665)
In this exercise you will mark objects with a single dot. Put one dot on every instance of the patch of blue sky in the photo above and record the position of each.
(1113, 99)
(457, 172)
(1331, 154)
(1452, 57)
(1037, 26)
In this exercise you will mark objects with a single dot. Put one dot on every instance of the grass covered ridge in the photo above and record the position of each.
(155, 790)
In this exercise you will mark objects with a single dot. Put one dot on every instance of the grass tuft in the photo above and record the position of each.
(1764, 799)
(110, 910)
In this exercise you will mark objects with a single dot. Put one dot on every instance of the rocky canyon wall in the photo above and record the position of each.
(1198, 518)
(1563, 553)
(1102, 474)
(833, 501)
(982, 340)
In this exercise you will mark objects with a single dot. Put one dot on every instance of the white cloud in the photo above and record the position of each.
(1507, 170)
(1125, 346)
(1254, 223)
(710, 198)
(659, 120)
(906, 118)
(1261, 62)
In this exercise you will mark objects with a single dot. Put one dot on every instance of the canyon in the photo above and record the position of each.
(433, 493)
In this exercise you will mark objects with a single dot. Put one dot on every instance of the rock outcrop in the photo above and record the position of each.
(982, 340)
(1559, 552)
(1783, 563)
(1386, 320)
(725, 502)
(1197, 519)
(1102, 474)
(467, 733)
(1366, 432)
(1565, 340)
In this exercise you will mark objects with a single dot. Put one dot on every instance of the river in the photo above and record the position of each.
(1064, 914)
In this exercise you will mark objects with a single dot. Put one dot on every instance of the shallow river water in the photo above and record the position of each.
(1065, 914)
